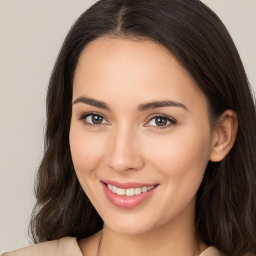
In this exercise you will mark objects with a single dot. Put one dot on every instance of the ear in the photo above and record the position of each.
(224, 135)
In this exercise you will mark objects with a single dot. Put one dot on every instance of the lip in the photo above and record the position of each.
(127, 202)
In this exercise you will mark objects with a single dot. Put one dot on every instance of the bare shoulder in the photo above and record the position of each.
(55, 247)
(89, 245)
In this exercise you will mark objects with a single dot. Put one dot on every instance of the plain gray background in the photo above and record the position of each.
(31, 33)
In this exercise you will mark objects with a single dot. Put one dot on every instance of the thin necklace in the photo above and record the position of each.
(99, 247)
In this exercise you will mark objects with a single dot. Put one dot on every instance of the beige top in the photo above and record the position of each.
(68, 246)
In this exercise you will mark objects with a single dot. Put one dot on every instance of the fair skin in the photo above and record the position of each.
(139, 117)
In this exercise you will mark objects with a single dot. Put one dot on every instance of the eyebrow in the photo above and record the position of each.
(141, 107)
(92, 102)
(159, 104)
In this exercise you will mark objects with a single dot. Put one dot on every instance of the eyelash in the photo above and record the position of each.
(171, 121)
(84, 116)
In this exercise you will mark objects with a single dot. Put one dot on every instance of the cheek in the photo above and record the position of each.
(86, 150)
(181, 159)
(183, 153)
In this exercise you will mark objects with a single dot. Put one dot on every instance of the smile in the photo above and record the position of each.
(128, 191)
(129, 194)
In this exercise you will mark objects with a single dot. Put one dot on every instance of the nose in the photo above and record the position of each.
(124, 151)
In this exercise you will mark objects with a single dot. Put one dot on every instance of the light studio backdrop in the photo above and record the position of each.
(31, 33)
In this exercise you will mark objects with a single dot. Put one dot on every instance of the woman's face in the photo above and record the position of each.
(140, 134)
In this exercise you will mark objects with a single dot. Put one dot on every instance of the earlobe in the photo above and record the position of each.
(224, 135)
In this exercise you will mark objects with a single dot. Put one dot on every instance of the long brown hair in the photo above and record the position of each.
(226, 200)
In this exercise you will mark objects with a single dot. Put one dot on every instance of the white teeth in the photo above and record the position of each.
(129, 191)
(137, 191)
(144, 189)
(120, 191)
(149, 188)
(113, 189)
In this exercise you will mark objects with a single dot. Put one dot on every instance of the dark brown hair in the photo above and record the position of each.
(226, 200)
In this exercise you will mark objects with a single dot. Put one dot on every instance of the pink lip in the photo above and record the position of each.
(127, 202)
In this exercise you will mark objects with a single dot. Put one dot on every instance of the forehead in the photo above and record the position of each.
(124, 52)
(132, 68)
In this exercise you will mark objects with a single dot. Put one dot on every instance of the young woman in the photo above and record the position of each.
(150, 141)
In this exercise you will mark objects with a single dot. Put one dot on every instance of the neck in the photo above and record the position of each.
(171, 239)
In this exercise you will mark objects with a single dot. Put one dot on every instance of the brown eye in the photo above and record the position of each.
(93, 119)
(96, 119)
(161, 121)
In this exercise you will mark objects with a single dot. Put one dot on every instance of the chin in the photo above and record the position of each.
(132, 230)
(128, 226)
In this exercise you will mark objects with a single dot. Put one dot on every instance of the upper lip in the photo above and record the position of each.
(129, 184)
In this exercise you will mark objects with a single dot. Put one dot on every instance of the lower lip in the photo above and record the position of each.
(127, 202)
